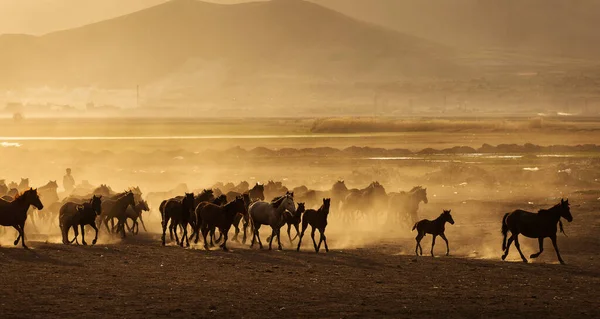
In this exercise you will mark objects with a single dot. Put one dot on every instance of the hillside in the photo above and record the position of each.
(547, 27)
(284, 38)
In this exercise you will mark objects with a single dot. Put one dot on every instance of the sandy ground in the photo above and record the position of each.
(137, 278)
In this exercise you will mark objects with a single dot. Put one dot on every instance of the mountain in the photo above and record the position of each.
(548, 27)
(198, 51)
(44, 16)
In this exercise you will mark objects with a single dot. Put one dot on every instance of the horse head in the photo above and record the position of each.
(144, 205)
(31, 196)
(326, 205)
(188, 201)
(565, 210)
(96, 203)
(448, 217)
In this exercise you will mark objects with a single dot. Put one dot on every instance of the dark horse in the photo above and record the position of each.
(532, 225)
(178, 212)
(215, 216)
(317, 219)
(73, 214)
(434, 227)
(117, 208)
(14, 213)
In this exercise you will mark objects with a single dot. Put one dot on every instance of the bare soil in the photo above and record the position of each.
(137, 278)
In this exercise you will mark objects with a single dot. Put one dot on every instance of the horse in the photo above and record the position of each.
(272, 214)
(405, 205)
(117, 208)
(294, 220)
(339, 191)
(14, 213)
(155, 198)
(73, 214)
(216, 216)
(257, 192)
(243, 218)
(273, 189)
(434, 227)
(134, 213)
(178, 212)
(103, 190)
(365, 200)
(317, 219)
(532, 225)
(242, 187)
(49, 196)
(312, 198)
(196, 219)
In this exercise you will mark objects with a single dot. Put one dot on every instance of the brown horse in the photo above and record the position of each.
(317, 219)
(532, 225)
(215, 216)
(14, 213)
(196, 219)
(178, 213)
(117, 208)
(74, 214)
(135, 213)
(434, 227)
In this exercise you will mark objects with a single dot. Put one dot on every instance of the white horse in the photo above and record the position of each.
(272, 214)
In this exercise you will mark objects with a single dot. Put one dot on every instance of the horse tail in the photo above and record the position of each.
(64, 230)
(504, 231)
(415, 226)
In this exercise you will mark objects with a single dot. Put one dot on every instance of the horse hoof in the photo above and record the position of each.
(225, 249)
(279, 248)
(503, 257)
(16, 242)
(562, 262)
(326, 250)
(84, 243)
(94, 242)
(532, 256)
(525, 260)
(206, 248)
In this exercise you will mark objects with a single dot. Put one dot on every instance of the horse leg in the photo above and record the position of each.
(19, 236)
(418, 239)
(256, 231)
(236, 225)
(22, 227)
(447, 246)
(75, 232)
(95, 237)
(433, 244)
(510, 240)
(278, 232)
(143, 225)
(224, 245)
(312, 234)
(519, 248)
(245, 224)
(304, 226)
(290, 234)
(212, 235)
(297, 232)
(82, 235)
(270, 239)
(185, 235)
(204, 233)
(321, 238)
(553, 238)
(536, 255)
(164, 231)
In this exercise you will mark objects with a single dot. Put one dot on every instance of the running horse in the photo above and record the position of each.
(14, 213)
(532, 225)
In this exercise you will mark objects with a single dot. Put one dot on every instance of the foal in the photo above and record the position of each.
(317, 220)
(435, 228)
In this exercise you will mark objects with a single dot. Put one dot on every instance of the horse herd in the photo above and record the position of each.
(219, 208)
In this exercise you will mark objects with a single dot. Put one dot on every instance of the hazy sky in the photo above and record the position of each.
(43, 16)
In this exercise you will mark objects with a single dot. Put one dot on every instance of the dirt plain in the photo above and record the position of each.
(137, 278)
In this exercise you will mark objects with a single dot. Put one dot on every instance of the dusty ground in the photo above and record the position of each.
(137, 278)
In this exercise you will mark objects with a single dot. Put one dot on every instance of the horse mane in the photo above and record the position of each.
(416, 188)
(278, 201)
(545, 212)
